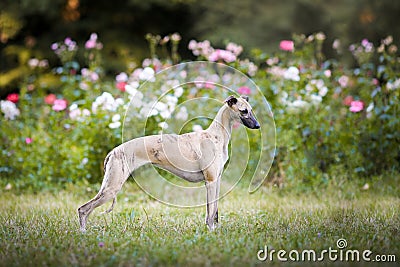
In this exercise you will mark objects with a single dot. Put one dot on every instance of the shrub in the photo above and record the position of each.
(61, 125)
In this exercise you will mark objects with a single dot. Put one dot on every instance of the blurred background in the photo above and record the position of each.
(27, 27)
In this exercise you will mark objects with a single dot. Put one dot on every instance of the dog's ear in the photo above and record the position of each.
(231, 100)
(245, 97)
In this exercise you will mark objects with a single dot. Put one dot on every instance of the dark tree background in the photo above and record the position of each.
(30, 26)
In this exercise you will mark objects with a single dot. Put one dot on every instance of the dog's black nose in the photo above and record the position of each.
(257, 126)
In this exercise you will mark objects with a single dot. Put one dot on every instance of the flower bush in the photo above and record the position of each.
(330, 119)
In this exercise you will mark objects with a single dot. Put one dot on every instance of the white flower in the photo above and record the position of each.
(178, 91)
(77, 114)
(130, 90)
(277, 71)
(147, 74)
(160, 106)
(320, 36)
(299, 104)
(323, 91)
(9, 109)
(163, 125)
(176, 37)
(197, 128)
(33, 62)
(85, 112)
(370, 107)
(122, 77)
(171, 102)
(119, 102)
(116, 118)
(393, 85)
(115, 121)
(148, 110)
(165, 114)
(316, 99)
(115, 125)
(292, 73)
(84, 161)
(182, 114)
(136, 97)
(107, 102)
(183, 74)
(73, 106)
(284, 97)
(309, 88)
(318, 83)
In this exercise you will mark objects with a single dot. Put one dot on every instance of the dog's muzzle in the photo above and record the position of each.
(250, 123)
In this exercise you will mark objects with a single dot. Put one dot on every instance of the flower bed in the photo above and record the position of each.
(330, 120)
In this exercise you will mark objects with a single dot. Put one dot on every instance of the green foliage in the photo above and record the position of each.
(10, 25)
(328, 117)
(316, 130)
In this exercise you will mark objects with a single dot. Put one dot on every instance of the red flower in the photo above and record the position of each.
(347, 100)
(49, 99)
(13, 98)
(121, 86)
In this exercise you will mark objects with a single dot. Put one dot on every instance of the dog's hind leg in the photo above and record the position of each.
(117, 172)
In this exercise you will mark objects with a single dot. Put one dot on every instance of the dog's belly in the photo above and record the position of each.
(186, 175)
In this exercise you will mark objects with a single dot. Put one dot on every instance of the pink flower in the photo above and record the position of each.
(328, 73)
(356, 106)
(28, 140)
(220, 54)
(92, 42)
(121, 86)
(54, 46)
(209, 85)
(94, 76)
(286, 45)
(49, 99)
(13, 98)
(101, 244)
(244, 90)
(343, 81)
(122, 77)
(68, 41)
(59, 104)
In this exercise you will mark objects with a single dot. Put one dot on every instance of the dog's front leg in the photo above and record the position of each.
(212, 203)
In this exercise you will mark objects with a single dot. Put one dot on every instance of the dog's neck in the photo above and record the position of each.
(222, 124)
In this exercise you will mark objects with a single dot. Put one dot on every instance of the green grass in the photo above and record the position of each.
(42, 229)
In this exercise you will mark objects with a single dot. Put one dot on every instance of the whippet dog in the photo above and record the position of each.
(195, 157)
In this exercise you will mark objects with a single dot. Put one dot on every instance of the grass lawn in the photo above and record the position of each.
(42, 229)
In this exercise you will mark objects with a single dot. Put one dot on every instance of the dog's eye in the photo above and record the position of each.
(244, 111)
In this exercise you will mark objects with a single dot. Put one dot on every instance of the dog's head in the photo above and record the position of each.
(242, 111)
